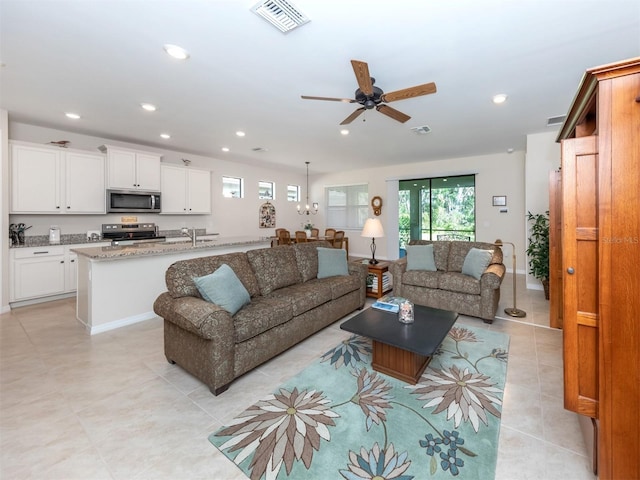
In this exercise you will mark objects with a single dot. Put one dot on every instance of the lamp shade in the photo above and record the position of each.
(372, 228)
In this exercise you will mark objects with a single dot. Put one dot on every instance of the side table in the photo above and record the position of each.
(379, 270)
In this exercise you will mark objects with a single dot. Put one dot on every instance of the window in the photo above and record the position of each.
(347, 206)
(232, 187)
(432, 208)
(266, 190)
(293, 193)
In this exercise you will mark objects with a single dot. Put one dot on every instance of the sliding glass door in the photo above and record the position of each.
(437, 208)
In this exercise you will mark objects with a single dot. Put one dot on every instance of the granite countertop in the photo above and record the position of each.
(81, 239)
(164, 248)
(43, 240)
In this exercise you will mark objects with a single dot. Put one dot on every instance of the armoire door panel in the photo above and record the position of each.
(580, 274)
(555, 249)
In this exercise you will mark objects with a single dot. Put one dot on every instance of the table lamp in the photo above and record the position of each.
(373, 228)
(513, 312)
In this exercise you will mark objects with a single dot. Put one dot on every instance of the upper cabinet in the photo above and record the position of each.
(185, 190)
(55, 180)
(132, 169)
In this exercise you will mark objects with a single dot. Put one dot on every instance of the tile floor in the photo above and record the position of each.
(110, 407)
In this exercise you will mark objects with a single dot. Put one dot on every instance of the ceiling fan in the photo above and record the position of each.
(370, 96)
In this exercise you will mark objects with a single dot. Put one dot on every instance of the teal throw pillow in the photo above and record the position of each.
(332, 262)
(223, 288)
(476, 262)
(420, 257)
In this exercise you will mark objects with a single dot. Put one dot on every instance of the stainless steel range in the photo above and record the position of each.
(130, 233)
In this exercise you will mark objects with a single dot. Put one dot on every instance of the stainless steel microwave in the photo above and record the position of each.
(125, 201)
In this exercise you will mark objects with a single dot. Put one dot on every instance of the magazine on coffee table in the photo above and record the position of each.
(388, 303)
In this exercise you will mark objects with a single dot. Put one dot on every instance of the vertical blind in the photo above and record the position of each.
(347, 206)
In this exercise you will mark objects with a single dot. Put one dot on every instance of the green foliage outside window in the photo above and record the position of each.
(437, 206)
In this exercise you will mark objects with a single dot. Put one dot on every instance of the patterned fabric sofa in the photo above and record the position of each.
(448, 288)
(287, 304)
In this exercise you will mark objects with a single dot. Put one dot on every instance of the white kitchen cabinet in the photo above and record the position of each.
(132, 169)
(37, 272)
(44, 271)
(54, 180)
(185, 190)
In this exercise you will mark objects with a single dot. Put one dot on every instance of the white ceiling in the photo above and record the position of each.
(102, 58)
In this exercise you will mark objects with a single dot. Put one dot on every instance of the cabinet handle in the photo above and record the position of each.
(61, 261)
(40, 253)
(72, 261)
(68, 206)
(570, 271)
(57, 206)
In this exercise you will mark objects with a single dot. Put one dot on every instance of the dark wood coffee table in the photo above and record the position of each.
(401, 350)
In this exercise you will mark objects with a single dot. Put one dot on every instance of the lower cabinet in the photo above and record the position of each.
(38, 272)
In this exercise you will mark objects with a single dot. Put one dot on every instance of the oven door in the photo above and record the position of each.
(124, 201)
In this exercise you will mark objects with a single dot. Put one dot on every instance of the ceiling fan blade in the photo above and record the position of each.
(410, 92)
(393, 113)
(332, 99)
(361, 69)
(353, 116)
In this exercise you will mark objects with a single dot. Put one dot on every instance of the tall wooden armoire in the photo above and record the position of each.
(600, 216)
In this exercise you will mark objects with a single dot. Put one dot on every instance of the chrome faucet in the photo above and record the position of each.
(192, 236)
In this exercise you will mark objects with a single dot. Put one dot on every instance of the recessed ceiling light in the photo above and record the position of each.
(240, 133)
(500, 98)
(166, 136)
(225, 149)
(148, 107)
(344, 132)
(73, 116)
(176, 52)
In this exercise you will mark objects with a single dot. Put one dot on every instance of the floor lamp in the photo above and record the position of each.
(513, 312)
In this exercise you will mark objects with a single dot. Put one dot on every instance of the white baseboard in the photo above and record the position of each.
(123, 322)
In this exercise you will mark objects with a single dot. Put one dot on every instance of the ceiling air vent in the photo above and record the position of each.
(423, 130)
(281, 14)
(553, 121)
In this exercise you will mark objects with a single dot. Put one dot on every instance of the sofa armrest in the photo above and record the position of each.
(398, 267)
(357, 268)
(202, 318)
(492, 276)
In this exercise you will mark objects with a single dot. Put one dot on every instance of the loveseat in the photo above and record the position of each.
(451, 278)
(287, 302)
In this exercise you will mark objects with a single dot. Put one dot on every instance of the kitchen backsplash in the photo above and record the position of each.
(79, 238)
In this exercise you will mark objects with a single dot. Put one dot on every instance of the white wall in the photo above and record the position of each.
(543, 157)
(501, 174)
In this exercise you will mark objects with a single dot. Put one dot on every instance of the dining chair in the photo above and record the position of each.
(329, 233)
(338, 239)
(301, 236)
(284, 237)
(315, 232)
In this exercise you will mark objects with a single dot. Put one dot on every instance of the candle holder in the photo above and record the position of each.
(405, 313)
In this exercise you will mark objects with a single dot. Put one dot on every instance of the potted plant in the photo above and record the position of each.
(307, 228)
(538, 249)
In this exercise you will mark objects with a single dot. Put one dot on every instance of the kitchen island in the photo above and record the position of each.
(117, 285)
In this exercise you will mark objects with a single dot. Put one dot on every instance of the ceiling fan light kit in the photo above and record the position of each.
(370, 96)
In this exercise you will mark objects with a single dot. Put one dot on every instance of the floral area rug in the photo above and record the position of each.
(340, 419)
